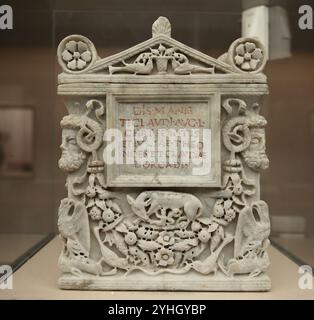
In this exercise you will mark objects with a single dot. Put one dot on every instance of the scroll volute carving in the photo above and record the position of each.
(245, 134)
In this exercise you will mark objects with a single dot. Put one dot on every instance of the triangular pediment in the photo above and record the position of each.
(160, 55)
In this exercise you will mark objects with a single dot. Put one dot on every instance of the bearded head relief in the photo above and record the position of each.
(245, 134)
(81, 135)
(255, 155)
(72, 156)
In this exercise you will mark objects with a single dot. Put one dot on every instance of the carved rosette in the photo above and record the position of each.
(76, 54)
(111, 232)
(247, 55)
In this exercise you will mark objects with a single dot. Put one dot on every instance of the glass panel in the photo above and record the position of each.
(31, 186)
(16, 141)
(26, 126)
(288, 184)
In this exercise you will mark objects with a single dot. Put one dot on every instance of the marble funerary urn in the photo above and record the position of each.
(186, 217)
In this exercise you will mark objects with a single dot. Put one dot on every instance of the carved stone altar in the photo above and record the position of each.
(163, 225)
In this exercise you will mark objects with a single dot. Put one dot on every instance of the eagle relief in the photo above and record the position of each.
(163, 148)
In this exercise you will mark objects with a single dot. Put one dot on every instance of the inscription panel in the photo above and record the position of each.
(173, 140)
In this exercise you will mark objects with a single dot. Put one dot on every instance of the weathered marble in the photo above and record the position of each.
(148, 226)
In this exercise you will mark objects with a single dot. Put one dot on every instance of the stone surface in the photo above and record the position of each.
(167, 282)
(193, 230)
